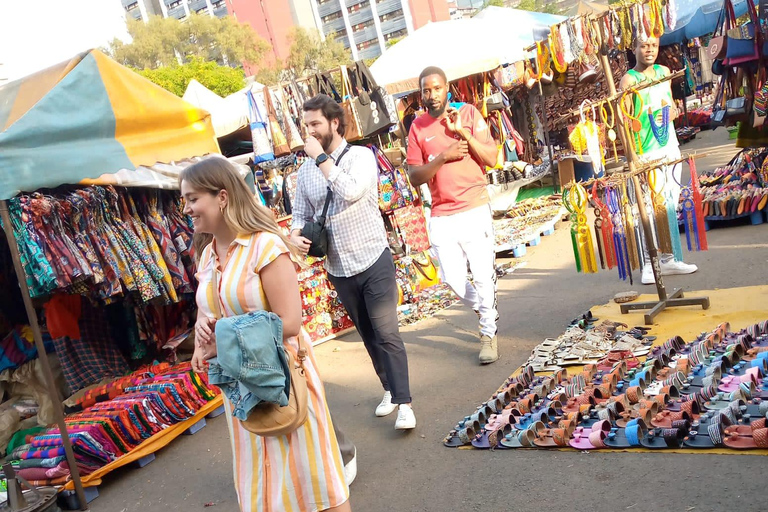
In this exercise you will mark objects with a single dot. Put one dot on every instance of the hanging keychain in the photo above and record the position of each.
(603, 231)
(574, 227)
(661, 219)
(693, 212)
(578, 200)
(629, 228)
(635, 125)
(619, 234)
(611, 131)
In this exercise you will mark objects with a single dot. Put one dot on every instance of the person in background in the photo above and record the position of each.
(302, 470)
(655, 98)
(358, 262)
(448, 149)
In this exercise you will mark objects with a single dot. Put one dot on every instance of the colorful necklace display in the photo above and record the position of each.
(611, 131)
(660, 133)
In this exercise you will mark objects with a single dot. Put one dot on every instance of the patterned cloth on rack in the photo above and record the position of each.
(105, 243)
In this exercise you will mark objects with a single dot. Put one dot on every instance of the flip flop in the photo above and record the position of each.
(461, 437)
(759, 439)
(746, 430)
(523, 438)
(627, 437)
(590, 439)
(556, 437)
(663, 438)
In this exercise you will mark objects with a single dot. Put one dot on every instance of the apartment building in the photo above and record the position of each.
(179, 9)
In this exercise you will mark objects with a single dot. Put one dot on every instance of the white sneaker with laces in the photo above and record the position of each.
(673, 268)
(386, 407)
(350, 470)
(406, 420)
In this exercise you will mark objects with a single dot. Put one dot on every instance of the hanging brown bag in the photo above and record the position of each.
(279, 141)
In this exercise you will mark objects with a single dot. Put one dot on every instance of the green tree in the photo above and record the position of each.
(223, 80)
(308, 55)
(167, 41)
(527, 5)
(495, 3)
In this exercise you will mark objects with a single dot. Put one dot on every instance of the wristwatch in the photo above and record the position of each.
(322, 158)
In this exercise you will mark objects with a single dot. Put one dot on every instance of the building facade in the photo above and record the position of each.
(366, 26)
(179, 9)
(363, 26)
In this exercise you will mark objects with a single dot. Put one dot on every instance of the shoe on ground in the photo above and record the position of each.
(674, 268)
(406, 420)
(489, 350)
(647, 277)
(386, 407)
(350, 470)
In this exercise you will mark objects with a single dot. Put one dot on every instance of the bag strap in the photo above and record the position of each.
(422, 266)
(329, 194)
(365, 73)
(213, 287)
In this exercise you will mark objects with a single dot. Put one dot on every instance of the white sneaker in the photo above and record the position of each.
(406, 420)
(673, 268)
(386, 407)
(350, 470)
(647, 277)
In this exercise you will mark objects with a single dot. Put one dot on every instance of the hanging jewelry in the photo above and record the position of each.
(671, 12)
(657, 186)
(626, 28)
(657, 21)
(556, 49)
(617, 30)
(611, 131)
(635, 124)
(565, 40)
(660, 133)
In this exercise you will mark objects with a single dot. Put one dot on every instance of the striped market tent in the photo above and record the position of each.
(89, 119)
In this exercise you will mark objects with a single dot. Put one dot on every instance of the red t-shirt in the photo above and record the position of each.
(458, 186)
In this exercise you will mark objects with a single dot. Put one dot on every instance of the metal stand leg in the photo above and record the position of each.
(665, 301)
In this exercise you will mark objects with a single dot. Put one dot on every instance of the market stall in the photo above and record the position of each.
(105, 272)
(699, 387)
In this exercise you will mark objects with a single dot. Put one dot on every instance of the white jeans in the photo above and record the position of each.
(468, 237)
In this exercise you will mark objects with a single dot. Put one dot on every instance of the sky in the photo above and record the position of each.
(36, 34)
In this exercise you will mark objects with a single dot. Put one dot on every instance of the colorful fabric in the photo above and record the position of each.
(267, 469)
(18, 347)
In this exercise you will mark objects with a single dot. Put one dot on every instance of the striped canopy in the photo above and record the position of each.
(88, 117)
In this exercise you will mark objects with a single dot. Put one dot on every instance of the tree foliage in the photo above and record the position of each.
(308, 55)
(538, 6)
(223, 80)
(167, 41)
(495, 3)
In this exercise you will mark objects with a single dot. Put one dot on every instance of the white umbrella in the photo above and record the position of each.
(227, 116)
(459, 47)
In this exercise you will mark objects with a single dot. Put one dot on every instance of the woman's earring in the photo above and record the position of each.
(221, 209)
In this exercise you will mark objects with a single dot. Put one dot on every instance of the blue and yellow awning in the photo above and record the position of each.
(88, 117)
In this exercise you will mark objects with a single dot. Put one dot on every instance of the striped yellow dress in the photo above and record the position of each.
(300, 472)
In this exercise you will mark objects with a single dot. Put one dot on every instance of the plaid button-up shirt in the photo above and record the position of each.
(356, 233)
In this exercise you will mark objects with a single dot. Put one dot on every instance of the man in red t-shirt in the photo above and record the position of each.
(448, 149)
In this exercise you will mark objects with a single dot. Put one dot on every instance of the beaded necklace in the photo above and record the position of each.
(636, 125)
(660, 133)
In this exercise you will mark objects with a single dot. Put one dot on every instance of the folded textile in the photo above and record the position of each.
(37, 463)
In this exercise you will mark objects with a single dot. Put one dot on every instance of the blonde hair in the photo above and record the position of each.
(243, 214)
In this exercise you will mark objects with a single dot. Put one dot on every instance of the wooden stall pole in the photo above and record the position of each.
(58, 412)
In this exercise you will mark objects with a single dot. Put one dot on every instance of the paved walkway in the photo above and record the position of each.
(414, 472)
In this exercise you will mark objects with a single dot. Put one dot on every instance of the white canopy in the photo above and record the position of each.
(495, 36)
(458, 47)
(227, 114)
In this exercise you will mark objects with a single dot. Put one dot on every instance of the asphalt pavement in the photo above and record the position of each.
(414, 472)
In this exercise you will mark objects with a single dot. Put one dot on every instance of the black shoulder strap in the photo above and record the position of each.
(329, 194)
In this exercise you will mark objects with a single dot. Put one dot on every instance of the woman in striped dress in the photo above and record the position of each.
(302, 471)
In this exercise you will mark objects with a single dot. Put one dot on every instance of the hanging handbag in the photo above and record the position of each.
(279, 141)
(262, 147)
(270, 419)
(742, 47)
(413, 228)
(511, 75)
(295, 143)
(316, 232)
(369, 104)
(718, 44)
(354, 130)
(427, 274)
(378, 94)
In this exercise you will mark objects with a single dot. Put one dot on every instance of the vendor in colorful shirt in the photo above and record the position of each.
(448, 149)
(659, 142)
